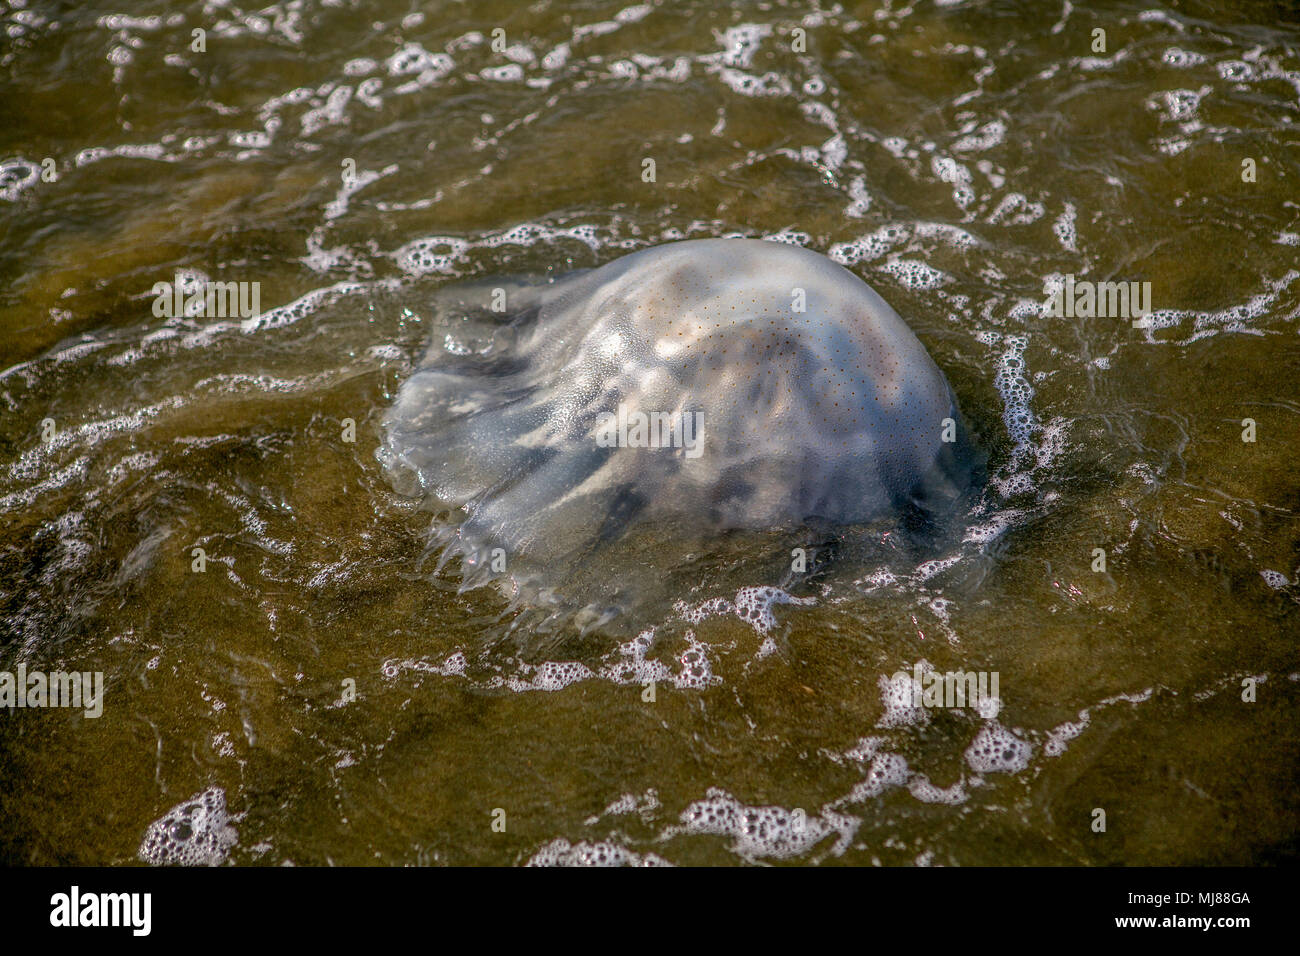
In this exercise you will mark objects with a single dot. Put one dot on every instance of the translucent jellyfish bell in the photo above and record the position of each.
(622, 421)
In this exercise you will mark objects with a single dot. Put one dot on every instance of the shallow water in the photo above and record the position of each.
(959, 157)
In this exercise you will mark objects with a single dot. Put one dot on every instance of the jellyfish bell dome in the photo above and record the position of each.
(674, 395)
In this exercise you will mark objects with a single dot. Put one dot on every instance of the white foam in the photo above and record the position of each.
(948, 170)
(1181, 59)
(1016, 210)
(360, 66)
(752, 605)
(196, 832)
(997, 750)
(1058, 737)
(871, 246)
(333, 112)
(914, 274)
(741, 42)
(950, 235)
(888, 771)
(1065, 229)
(1274, 579)
(1179, 106)
(17, 175)
(447, 254)
(1235, 318)
(412, 58)
(922, 789)
(508, 73)
(559, 852)
(626, 665)
(991, 134)
(764, 832)
(861, 199)
(1013, 385)
(900, 695)
(645, 805)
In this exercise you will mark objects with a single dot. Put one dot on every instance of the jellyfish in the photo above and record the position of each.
(644, 425)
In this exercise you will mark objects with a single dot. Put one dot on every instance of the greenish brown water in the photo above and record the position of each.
(957, 157)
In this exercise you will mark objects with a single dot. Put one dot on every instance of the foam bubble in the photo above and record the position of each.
(861, 199)
(900, 695)
(415, 59)
(986, 137)
(1059, 737)
(950, 171)
(1235, 318)
(1178, 106)
(914, 274)
(560, 852)
(509, 73)
(1274, 579)
(888, 771)
(1181, 59)
(752, 605)
(747, 84)
(626, 664)
(360, 66)
(741, 42)
(645, 805)
(552, 676)
(1235, 71)
(17, 175)
(925, 791)
(997, 750)
(332, 112)
(434, 254)
(769, 831)
(871, 246)
(1013, 385)
(194, 833)
(954, 236)
(1016, 210)
(1065, 229)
